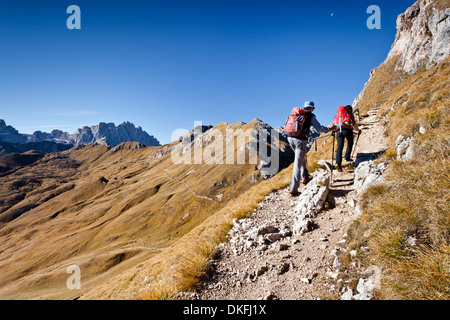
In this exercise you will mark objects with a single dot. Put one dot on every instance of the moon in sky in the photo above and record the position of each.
(332, 14)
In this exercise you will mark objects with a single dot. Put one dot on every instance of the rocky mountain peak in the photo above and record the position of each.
(109, 133)
(423, 35)
(10, 134)
(103, 133)
(422, 40)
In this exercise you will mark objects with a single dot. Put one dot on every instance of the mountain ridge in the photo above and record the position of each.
(102, 133)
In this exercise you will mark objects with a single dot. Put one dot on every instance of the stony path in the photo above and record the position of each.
(264, 259)
(188, 187)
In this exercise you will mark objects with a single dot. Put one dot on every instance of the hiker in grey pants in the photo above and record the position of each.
(299, 145)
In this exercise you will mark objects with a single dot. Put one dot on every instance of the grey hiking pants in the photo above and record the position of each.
(300, 171)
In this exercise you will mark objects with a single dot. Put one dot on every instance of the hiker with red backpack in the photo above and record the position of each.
(344, 124)
(297, 128)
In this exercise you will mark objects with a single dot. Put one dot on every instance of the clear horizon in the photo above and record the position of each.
(164, 64)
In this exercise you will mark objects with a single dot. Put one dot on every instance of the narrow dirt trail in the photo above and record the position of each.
(284, 266)
(188, 187)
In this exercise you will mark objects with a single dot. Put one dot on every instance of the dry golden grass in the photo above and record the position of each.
(200, 246)
(193, 264)
(423, 275)
(408, 101)
(112, 230)
(142, 244)
(413, 202)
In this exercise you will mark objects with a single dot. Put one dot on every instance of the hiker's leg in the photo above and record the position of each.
(349, 136)
(304, 174)
(295, 182)
(340, 136)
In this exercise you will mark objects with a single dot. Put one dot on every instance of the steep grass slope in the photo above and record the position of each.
(406, 220)
(108, 211)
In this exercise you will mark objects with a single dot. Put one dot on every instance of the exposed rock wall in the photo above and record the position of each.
(423, 36)
(422, 39)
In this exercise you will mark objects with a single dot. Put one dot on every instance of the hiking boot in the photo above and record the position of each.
(293, 193)
(305, 182)
(348, 160)
(338, 168)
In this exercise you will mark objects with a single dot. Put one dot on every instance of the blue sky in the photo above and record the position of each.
(165, 64)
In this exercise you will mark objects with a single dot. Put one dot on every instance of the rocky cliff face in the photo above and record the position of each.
(110, 134)
(422, 40)
(10, 134)
(423, 36)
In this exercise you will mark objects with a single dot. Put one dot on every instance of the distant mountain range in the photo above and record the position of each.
(103, 133)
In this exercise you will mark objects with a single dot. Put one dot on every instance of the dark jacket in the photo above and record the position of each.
(311, 120)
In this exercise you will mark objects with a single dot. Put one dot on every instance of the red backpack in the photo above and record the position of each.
(294, 126)
(343, 119)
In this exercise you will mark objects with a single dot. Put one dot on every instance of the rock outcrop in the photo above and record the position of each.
(248, 234)
(367, 174)
(423, 36)
(422, 39)
(311, 200)
(369, 282)
(10, 134)
(404, 147)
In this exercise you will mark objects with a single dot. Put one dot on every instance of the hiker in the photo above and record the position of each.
(297, 128)
(344, 124)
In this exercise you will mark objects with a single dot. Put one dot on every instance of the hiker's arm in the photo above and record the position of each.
(332, 127)
(320, 128)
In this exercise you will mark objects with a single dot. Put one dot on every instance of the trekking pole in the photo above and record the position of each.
(332, 159)
(315, 140)
(357, 138)
(326, 139)
(325, 136)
